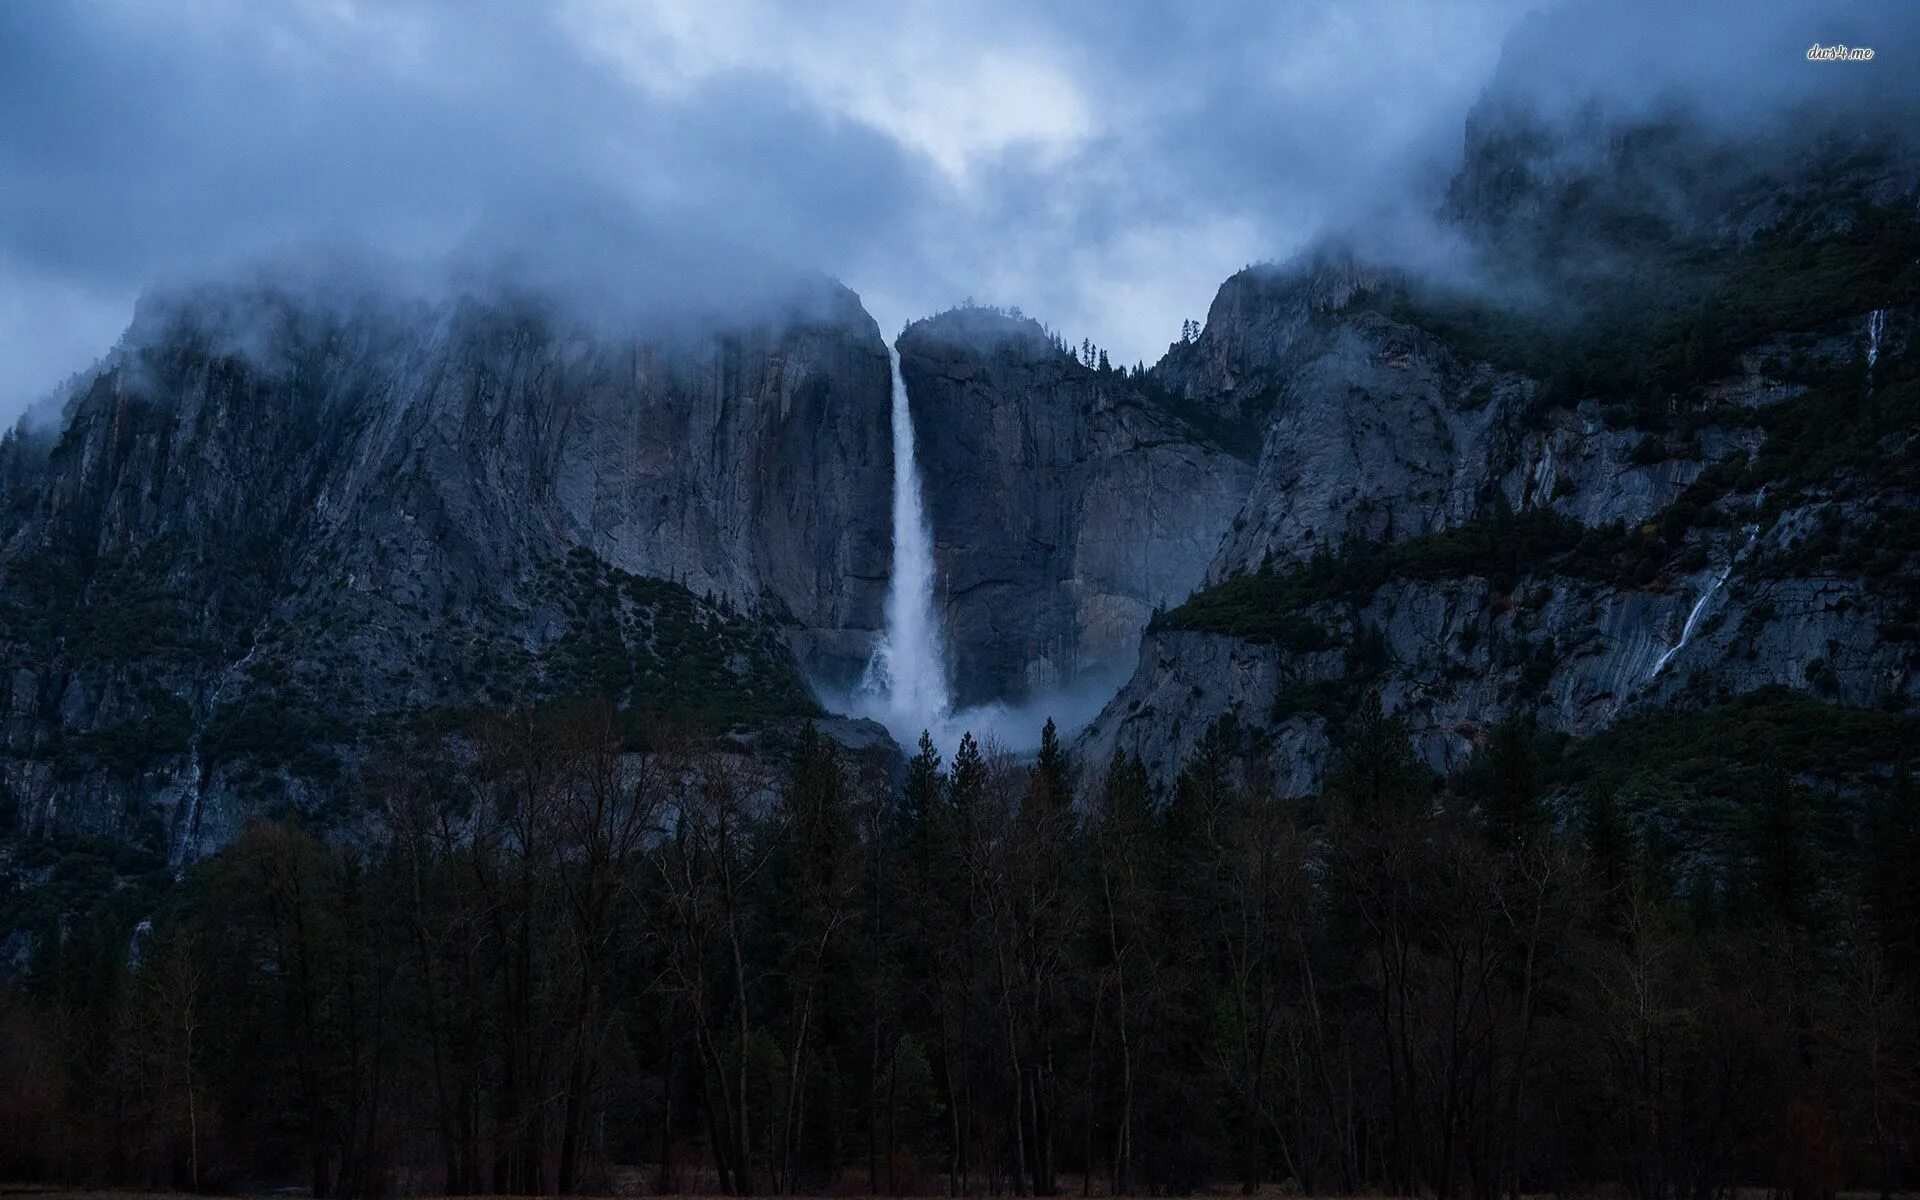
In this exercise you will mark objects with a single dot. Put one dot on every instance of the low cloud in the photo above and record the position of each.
(1101, 168)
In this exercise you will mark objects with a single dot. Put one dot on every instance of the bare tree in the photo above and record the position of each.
(708, 865)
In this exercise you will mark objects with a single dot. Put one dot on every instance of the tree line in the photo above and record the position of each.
(557, 956)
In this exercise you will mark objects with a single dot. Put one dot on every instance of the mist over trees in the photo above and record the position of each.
(568, 956)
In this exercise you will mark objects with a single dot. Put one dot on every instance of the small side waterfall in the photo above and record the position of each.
(905, 684)
(1876, 329)
(186, 842)
(189, 819)
(1700, 605)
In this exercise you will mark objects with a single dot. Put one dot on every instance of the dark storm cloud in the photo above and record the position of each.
(1102, 166)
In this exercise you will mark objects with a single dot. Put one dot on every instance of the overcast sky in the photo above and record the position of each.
(1103, 166)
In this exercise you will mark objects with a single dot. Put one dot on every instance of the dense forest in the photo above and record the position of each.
(564, 954)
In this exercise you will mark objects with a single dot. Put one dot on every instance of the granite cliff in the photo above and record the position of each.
(1067, 502)
(1642, 446)
(279, 524)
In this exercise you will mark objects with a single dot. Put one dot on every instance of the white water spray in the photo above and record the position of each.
(905, 685)
(1876, 329)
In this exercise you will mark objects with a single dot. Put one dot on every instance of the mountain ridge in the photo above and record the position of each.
(1691, 453)
(268, 504)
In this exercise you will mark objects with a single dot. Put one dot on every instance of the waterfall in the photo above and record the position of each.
(905, 684)
(186, 846)
(1693, 615)
(1700, 605)
(1876, 328)
(189, 819)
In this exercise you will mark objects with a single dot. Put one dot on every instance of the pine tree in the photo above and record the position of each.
(1128, 907)
(813, 876)
(1893, 885)
(924, 784)
(1604, 828)
(1123, 796)
(1782, 851)
(1510, 782)
(1048, 785)
(1376, 773)
(1205, 788)
(968, 776)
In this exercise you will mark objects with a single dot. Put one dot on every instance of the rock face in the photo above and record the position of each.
(1455, 656)
(1709, 468)
(748, 463)
(1066, 503)
(274, 520)
(1373, 429)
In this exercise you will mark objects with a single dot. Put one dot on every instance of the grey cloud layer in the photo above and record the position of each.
(146, 142)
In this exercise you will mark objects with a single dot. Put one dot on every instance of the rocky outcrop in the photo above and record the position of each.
(751, 463)
(1454, 656)
(279, 525)
(1186, 681)
(1066, 503)
(1690, 347)
(1375, 429)
(1733, 606)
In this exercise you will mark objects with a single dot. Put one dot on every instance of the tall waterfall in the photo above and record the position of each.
(905, 684)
